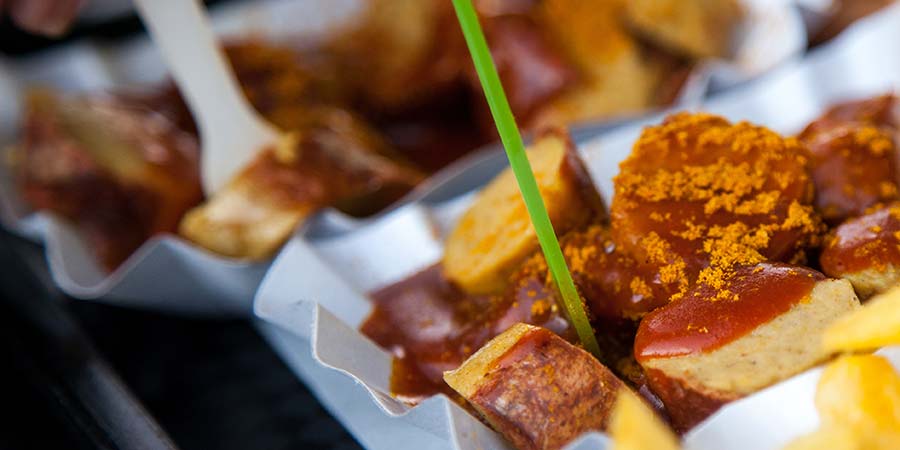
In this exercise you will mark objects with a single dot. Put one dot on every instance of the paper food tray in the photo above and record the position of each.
(314, 295)
(170, 274)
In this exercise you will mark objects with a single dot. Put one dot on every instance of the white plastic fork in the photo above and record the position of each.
(231, 131)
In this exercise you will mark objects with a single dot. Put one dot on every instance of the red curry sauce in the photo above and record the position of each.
(431, 326)
(699, 322)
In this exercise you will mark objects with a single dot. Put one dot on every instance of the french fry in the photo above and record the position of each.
(861, 392)
(634, 426)
(832, 438)
(876, 324)
(858, 399)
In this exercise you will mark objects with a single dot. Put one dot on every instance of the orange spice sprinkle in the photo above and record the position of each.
(802, 217)
(539, 308)
(640, 288)
(672, 269)
(730, 247)
(692, 231)
(747, 184)
(578, 256)
(874, 140)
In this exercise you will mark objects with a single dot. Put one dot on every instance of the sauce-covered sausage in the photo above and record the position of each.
(854, 157)
(866, 251)
(698, 192)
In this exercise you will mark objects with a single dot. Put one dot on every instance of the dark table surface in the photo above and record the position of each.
(84, 375)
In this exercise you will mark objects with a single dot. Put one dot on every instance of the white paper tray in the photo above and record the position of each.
(171, 274)
(314, 292)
